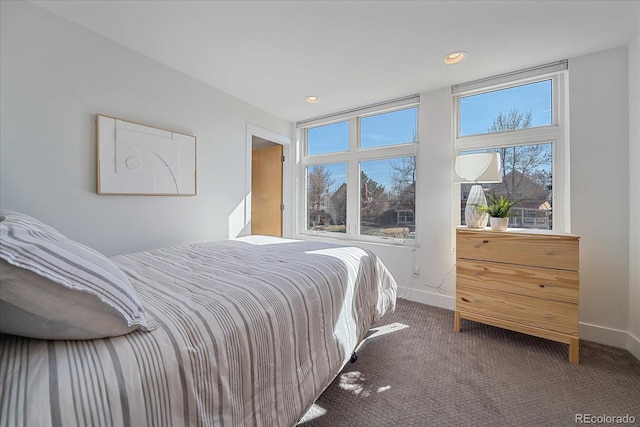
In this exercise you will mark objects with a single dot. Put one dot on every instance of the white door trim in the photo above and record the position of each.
(285, 141)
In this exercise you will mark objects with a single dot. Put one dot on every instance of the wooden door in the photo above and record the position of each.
(266, 191)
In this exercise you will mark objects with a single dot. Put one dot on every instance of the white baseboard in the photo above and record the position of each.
(603, 335)
(595, 333)
(610, 336)
(429, 298)
(633, 345)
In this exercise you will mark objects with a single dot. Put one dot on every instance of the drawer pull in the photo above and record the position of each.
(476, 301)
(551, 253)
(550, 316)
(485, 241)
(551, 285)
(465, 300)
(477, 274)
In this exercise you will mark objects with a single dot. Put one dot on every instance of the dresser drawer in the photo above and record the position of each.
(545, 314)
(542, 250)
(558, 285)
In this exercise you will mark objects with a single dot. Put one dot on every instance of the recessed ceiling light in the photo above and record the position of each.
(455, 57)
(312, 99)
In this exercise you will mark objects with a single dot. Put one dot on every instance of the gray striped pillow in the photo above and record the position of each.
(56, 288)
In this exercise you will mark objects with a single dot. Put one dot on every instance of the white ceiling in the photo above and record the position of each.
(272, 54)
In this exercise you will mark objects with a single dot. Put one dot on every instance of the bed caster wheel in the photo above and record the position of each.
(354, 358)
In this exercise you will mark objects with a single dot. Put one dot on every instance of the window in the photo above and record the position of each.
(328, 139)
(523, 106)
(522, 119)
(327, 197)
(388, 197)
(360, 174)
(397, 127)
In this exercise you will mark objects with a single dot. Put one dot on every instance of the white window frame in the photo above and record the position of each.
(353, 157)
(556, 133)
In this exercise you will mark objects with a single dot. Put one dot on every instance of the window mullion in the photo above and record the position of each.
(514, 137)
(353, 180)
(392, 151)
(327, 158)
(353, 206)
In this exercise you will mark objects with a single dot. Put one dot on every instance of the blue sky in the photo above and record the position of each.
(328, 139)
(477, 112)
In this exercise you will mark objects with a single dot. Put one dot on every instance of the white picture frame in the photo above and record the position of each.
(135, 159)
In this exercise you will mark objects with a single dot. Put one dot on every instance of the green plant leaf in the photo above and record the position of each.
(497, 207)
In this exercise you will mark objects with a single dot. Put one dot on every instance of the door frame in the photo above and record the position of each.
(287, 192)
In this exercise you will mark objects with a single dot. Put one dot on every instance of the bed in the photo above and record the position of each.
(240, 332)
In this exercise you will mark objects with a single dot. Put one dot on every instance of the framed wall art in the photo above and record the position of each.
(134, 159)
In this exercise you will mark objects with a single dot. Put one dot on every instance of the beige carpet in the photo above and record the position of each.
(413, 370)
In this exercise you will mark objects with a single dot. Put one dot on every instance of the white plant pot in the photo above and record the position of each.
(499, 224)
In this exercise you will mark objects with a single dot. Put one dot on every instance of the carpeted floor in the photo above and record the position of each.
(413, 370)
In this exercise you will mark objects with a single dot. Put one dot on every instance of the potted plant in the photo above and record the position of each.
(498, 209)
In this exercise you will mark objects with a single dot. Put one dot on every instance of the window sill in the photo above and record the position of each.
(336, 238)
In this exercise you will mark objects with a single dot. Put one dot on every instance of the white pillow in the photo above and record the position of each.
(52, 287)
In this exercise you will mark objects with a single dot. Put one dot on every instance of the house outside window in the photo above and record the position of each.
(360, 173)
(520, 116)
(405, 217)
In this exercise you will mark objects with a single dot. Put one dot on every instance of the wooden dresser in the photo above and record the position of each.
(522, 280)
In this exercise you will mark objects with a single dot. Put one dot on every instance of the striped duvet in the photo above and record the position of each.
(252, 331)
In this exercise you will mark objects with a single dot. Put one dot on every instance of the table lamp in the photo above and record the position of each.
(478, 168)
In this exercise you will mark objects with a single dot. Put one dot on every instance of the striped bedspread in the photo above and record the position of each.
(252, 331)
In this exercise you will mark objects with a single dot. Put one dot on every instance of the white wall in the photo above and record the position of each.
(633, 340)
(599, 104)
(55, 76)
(435, 225)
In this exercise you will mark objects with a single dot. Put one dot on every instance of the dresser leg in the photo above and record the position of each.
(574, 351)
(456, 322)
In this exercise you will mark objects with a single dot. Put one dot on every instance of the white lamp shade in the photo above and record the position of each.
(479, 167)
